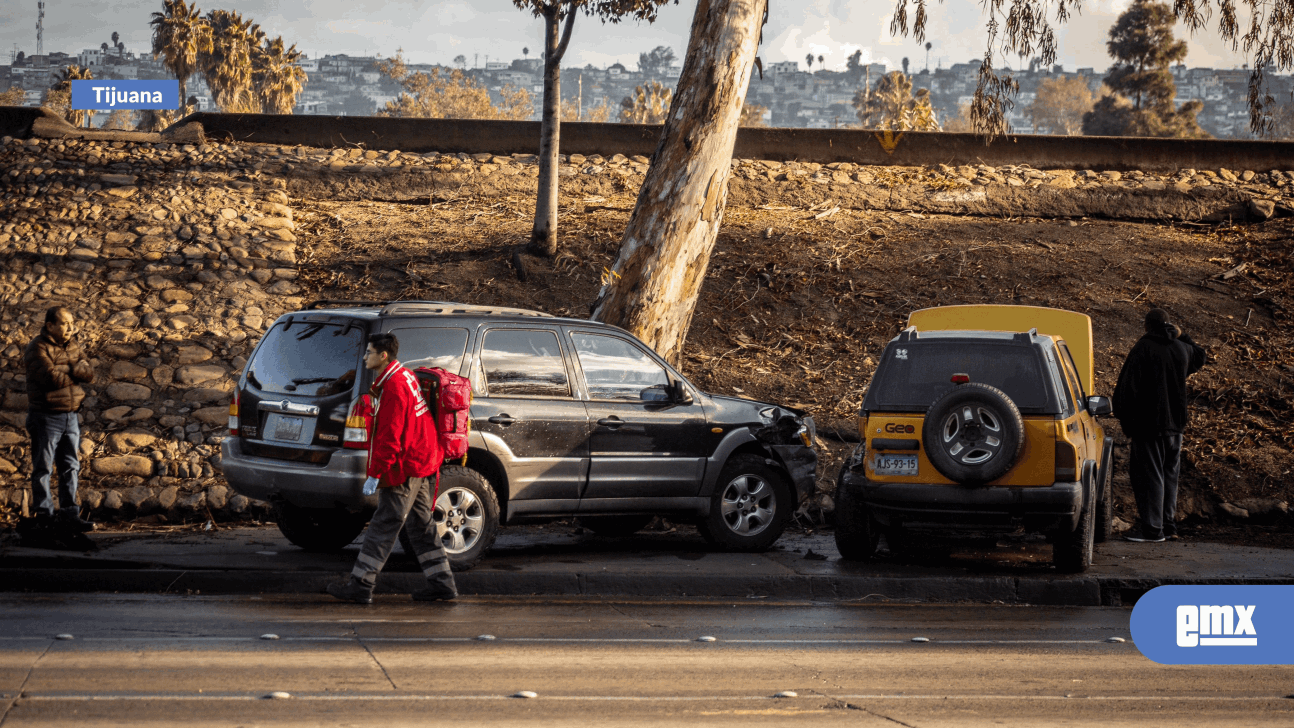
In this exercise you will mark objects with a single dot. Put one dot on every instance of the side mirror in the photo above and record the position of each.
(678, 393)
(656, 393)
(1098, 406)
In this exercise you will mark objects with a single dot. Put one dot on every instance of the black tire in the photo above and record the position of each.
(1072, 551)
(615, 526)
(1104, 528)
(750, 506)
(466, 513)
(318, 529)
(857, 534)
(977, 450)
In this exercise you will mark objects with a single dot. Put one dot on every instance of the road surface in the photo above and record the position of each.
(199, 661)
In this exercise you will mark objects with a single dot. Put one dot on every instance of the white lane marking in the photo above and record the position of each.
(633, 698)
(574, 640)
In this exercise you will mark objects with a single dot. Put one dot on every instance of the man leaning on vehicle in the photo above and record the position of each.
(1150, 402)
(56, 367)
(404, 456)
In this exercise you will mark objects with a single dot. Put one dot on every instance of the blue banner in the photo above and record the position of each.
(114, 94)
(1216, 625)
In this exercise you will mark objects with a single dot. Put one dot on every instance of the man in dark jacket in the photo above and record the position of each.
(404, 456)
(56, 367)
(1150, 402)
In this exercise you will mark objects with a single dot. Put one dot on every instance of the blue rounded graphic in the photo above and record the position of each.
(1216, 625)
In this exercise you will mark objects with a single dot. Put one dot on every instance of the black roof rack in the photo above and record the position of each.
(444, 307)
(344, 302)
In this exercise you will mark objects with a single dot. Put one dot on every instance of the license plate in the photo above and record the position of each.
(886, 464)
(283, 429)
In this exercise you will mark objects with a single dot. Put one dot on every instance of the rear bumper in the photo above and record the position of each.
(1037, 508)
(338, 483)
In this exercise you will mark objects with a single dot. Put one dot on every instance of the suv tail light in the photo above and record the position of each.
(233, 416)
(1066, 462)
(358, 423)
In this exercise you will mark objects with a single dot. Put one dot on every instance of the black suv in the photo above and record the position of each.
(569, 418)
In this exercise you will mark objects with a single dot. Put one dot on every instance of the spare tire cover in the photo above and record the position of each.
(973, 434)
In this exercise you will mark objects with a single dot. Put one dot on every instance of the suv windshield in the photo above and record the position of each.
(311, 358)
(913, 375)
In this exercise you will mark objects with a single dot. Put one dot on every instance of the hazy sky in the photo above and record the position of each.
(438, 30)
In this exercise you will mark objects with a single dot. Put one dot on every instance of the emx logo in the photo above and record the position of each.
(1170, 625)
(1224, 625)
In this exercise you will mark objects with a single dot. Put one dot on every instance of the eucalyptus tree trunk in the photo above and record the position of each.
(543, 237)
(665, 251)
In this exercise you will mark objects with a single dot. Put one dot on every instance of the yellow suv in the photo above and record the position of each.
(981, 419)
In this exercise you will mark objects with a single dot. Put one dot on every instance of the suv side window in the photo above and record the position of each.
(1071, 372)
(616, 369)
(1062, 384)
(523, 363)
(432, 347)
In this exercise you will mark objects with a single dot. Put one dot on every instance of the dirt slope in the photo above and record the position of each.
(795, 308)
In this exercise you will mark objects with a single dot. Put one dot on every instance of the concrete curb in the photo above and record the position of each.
(1078, 591)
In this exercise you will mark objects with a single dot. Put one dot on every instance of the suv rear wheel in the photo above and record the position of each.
(750, 505)
(857, 535)
(466, 515)
(615, 526)
(1072, 550)
(318, 529)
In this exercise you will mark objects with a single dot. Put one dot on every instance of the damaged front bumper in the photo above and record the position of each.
(790, 438)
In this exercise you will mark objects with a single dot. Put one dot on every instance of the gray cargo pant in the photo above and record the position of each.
(412, 501)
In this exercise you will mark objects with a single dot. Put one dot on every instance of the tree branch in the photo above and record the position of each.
(566, 36)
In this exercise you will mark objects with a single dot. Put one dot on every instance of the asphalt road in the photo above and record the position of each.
(197, 661)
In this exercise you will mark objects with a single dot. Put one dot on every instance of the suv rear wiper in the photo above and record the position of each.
(314, 380)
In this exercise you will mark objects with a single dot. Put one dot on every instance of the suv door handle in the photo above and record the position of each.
(503, 419)
(612, 422)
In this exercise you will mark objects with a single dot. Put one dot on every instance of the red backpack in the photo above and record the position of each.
(449, 397)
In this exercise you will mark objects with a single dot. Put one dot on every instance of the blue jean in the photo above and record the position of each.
(55, 440)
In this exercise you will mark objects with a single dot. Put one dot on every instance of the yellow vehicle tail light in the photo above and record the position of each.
(1066, 462)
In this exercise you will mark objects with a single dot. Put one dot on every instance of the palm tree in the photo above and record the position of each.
(116, 38)
(59, 96)
(928, 46)
(526, 52)
(819, 61)
(276, 77)
(227, 67)
(181, 36)
(809, 60)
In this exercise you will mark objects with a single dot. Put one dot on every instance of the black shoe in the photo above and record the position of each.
(435, 594)
(74, 519)
(353, 590)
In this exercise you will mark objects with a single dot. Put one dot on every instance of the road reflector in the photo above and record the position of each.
(920, 639)
(485, 638)
(706, 638)
(63, 636)
(526, 694)
(787, 694)
(1115, 639)
(278, 695)
(269, 636)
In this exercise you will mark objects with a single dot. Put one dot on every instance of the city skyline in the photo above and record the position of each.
(496, 30)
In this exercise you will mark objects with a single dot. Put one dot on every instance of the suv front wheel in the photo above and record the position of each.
(750, 505)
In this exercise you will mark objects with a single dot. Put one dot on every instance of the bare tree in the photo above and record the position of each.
(1022, 28)
(559, 21)
(652, 288)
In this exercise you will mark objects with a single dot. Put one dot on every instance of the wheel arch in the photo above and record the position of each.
(485, 463)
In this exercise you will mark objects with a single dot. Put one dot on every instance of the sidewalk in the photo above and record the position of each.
(561, 559)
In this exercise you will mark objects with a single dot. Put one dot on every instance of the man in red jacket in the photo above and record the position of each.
(403, 458)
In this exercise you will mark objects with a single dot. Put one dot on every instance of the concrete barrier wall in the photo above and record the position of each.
(807, 145)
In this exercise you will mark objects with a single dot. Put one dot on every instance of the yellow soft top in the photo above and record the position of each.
(1075, 328)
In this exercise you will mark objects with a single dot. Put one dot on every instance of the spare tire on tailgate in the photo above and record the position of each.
(973, 434)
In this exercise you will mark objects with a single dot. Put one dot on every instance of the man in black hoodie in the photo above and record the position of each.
(1150, 402)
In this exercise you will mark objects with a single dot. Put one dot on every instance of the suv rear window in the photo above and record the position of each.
(307, 358)
(913, 375)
